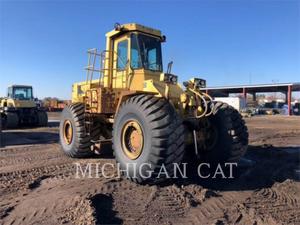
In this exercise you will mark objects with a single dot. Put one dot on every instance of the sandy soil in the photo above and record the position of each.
(38, 184)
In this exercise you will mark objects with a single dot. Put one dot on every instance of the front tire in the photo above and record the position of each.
(147, 135)
(73, 138)
(231, 135)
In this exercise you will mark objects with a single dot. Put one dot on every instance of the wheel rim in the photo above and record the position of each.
(208, 136)
(68, 132)
(211, 137)
(132, 139)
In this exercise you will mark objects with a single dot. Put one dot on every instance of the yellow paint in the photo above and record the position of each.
(79, 89)
(135, 27)
(119, 77)
(17, 103)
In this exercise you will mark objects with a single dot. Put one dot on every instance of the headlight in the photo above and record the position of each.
(8, 108)
(198, 83)
(173, 79)
(170, 78)
(202, 83)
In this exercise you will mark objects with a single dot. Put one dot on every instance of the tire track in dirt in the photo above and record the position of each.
(50, 190)
(212, 208)
(30, 155)
(131, 203)
(54, 201)
(20, 179)
(165, 205)
(124, 200)
(281, 202)
(20, 167)
(35, 156)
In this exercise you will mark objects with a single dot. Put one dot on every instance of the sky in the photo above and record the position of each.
(44, 43)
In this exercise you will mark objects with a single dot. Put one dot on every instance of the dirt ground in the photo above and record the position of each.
(38, 184)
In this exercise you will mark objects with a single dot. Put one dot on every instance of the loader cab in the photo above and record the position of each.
(145, 52)
(136, 55)
(20, 92)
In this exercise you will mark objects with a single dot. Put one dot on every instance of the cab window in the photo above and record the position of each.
(10, 92)
(146, 52)
(122, 54)
(22, 93)
(152, 59)
(135, 58)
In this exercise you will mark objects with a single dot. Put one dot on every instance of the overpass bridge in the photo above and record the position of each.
(285, 88)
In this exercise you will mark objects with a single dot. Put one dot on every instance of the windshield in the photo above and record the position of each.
(21, 93)
(146, 52)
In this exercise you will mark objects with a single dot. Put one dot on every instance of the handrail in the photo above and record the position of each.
(104, 57)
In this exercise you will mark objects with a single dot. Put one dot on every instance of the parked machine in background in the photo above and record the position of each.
(54, 104)
(238, 103)
(19, 108)
(296, 108)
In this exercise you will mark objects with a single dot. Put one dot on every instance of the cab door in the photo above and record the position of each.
(120, 62)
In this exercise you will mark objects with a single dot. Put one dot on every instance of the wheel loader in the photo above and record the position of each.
(19, 108)
(150, 119)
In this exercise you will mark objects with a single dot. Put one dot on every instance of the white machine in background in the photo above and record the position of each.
(236, 102)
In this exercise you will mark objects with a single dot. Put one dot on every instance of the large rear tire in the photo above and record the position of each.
(231, 135)
(147, 135)
(73, 138)
(42, 118)
(11, 120)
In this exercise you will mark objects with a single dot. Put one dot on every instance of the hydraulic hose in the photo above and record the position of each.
(211, 101)
(204, 101)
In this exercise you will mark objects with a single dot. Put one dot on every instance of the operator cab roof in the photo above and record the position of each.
(20, 86)
(120, 29)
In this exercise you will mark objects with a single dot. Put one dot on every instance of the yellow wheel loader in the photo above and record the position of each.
(151, 120)
(20, 108)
